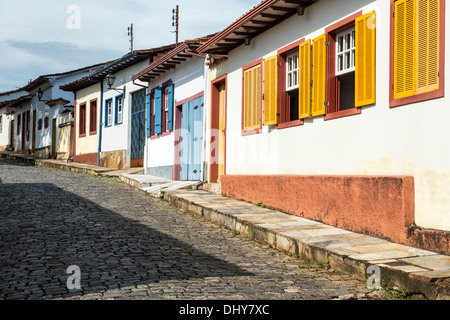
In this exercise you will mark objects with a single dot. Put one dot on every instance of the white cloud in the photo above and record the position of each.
(35, 39)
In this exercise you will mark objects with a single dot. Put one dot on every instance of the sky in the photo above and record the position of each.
(52, 36)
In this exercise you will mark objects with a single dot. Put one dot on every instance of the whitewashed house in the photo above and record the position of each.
(7, 101)
(337, 111)
(175, 130)
(120, 124)
(48, 103)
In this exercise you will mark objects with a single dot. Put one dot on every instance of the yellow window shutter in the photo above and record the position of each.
(252, 98)
(304, 83)
(365, 60)
(319, 75)
(404, 48)
(427, 30)
(271, 90)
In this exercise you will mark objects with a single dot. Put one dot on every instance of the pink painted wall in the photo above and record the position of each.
(377, 206)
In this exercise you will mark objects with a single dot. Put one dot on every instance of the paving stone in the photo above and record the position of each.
(131, 246)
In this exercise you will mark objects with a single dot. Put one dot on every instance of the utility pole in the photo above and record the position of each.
(131, 34)
(175, 19)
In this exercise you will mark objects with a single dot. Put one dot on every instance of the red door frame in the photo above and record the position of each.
(215, 115)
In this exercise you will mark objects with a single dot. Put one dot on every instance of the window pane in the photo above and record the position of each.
(340, 44)
(295, 80)
(340, 63)
(347, 41)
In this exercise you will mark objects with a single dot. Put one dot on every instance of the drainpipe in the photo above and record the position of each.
(100, 124)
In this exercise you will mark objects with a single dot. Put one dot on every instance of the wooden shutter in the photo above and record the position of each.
(170, 107)
(404, 48)
(252, 98)
(158, 111)
(149, 115)
(319, 75)
(304, 82)
(427, 30)
(271, 90)
(365, 60)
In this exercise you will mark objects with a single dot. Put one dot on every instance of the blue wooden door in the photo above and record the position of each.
(138, 103)
(191, 140)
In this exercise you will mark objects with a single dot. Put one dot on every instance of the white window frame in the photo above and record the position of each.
(109, 110)
(292, 71)
(1, 123)
(46, 115)
(119, 110)
(166, 106)
(345, 51)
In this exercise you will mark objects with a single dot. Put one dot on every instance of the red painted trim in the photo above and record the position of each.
(75, 125)
(248, 66)
(195, 96)
(343, 23)
(282, 94)
(333, 85)
(89, 158)
(290, 47)
(166, 133)
(214, 125)
(177, 143)
(424, 96)
(291, 124)
(82, 123)
(343, 113)
(90, 116)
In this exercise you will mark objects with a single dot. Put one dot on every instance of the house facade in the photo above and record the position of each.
(337, 113)
(86, 128)
(175, 125)
(48, 103)
(7, 101)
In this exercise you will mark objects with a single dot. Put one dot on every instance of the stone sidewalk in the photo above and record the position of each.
(410, 269)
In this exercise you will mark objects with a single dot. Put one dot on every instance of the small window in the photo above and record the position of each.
(93, 117)
(46, 118)
(1, 124)
(166, 108)
(119, 106)
(82, 119)
(18, 125)
(292, 72)
(345, 52)
(108, 113)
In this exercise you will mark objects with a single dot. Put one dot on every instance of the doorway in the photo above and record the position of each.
(218, 129)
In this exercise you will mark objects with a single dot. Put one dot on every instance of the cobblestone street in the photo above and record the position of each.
(131, 246)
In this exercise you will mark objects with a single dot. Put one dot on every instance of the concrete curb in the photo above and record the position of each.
(391, 271)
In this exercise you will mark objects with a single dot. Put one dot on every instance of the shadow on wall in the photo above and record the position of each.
(54, 229)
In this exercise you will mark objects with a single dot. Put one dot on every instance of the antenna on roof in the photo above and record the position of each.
(175, 18)
(131, 34)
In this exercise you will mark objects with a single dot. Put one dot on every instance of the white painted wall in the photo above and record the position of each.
(117, 137)
(22, 109)
(5, 132)
(189, 79)
(407, 140)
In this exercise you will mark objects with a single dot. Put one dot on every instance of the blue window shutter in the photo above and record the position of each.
(170, 108)
(158, 110)
(149, 106)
